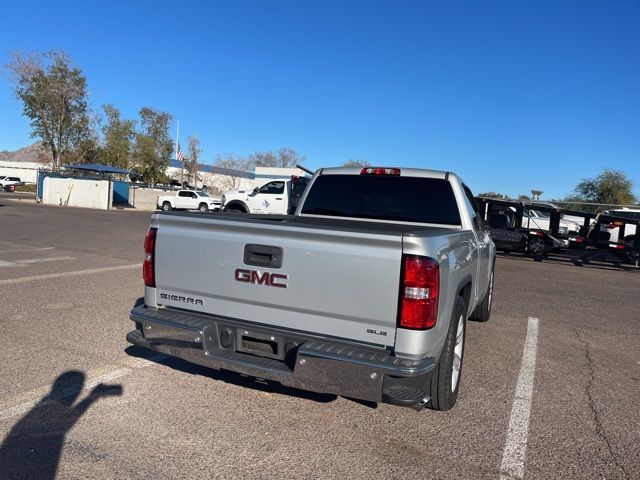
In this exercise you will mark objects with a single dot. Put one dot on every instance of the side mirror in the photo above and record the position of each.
(256, 190)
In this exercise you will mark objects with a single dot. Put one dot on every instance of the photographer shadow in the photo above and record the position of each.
(33, 447)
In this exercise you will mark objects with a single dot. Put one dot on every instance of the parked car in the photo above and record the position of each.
(364, 292)
(10, 183)
(188, 200)
(539, 220)
(275, 197)
(568, 218)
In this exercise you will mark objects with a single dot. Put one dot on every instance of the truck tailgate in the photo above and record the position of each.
(338, 283)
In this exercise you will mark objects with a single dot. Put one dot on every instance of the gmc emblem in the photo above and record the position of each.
(266, 278)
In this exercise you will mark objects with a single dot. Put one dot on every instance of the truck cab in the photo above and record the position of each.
(274, 197)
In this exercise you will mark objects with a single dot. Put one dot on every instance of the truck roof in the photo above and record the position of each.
(407, 172)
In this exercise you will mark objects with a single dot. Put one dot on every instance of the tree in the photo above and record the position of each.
(611, 187)
(524, 198)
(263, 159)
(354, 163)
(284, 158)
(498, 196)
(54, 96)
(535, 194)
(194, 155)
(119, 138)
(287, 157)
(231, 166)
(153, 145)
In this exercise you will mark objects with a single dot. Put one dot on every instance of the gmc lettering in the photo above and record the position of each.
(267, 278)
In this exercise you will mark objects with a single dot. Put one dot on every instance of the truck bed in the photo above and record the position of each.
(356, 226)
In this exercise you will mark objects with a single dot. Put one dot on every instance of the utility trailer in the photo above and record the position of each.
(626, 248)
(586, 237)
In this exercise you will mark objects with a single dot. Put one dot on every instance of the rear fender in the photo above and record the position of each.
(465, 290)
(237, 204)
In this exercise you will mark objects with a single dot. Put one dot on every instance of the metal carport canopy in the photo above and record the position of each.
(95, 167)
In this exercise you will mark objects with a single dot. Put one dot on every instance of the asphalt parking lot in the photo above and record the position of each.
(550, 385)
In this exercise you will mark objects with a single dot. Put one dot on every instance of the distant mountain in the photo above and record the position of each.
(32, 153)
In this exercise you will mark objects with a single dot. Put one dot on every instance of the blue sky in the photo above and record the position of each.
(513, 95)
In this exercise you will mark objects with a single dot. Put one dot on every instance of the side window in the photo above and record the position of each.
(273, 188)
(472, 208)
(184, 194)
(193, 195)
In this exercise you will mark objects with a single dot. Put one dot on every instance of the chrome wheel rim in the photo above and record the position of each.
(457, 354)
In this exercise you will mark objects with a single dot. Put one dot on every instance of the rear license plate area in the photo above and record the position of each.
(260, 344)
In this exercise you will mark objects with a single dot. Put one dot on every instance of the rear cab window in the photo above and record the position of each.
(383, 197)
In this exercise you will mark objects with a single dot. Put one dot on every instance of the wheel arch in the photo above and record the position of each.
(237, 204)
(464, 290)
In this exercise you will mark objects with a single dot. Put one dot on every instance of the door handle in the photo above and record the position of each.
(278, 198)
(262, 256)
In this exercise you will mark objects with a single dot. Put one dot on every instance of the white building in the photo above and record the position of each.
(224, 180)
(26, 171)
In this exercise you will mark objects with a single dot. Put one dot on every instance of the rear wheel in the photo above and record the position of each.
(166, 206)
(203, 208)
(445, 381)
(482, 312)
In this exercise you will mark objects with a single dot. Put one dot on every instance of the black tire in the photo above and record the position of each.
(203, 208)
(166, 206)
(234, 209)
(482, 312)
(537, 246)
(443, 393)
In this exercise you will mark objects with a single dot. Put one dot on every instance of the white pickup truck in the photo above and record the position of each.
(9, 183)
(277, 197)
(188, 200)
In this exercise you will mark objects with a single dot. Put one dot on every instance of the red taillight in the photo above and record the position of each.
(578, 240)
(148, 266)
(419, 293)
(380, 171)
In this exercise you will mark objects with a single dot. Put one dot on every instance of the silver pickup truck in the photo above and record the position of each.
(364, 292)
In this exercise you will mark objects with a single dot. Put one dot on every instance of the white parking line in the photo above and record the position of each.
(11, 281)
(515, 446)
(39, 249)
(30, 261)
(37, 395)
